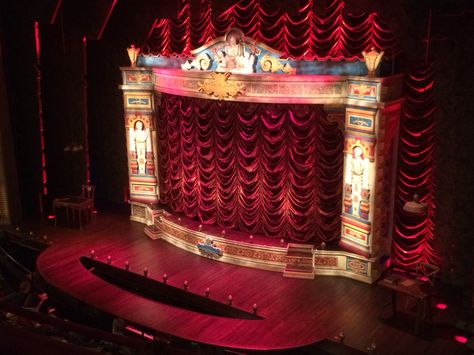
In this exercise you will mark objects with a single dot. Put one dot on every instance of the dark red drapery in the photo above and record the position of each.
(414, 235)
(261, 168)
(300, 34)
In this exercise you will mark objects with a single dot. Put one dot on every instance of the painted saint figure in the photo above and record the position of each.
(140, 143)
(233, 50)
(356, 180)
(234, 56)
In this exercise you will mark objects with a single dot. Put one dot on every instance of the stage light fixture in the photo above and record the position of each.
(207, 292)
(145, 272)
(229, 300)
(109, 259)
(92, 253)
(186, 285)
(254, 308)
(165, 278)
(415, 207)
(127, 265)
(460, 339)
(372, 346)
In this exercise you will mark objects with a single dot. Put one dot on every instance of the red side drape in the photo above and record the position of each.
(413, 239)
(300, 34)
(261, 168)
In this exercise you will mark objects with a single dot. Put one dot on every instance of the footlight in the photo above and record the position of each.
(207, 292)
(109, 259)
(229, 300)
(165, 278)
(127, 265)
(185, 285)
(254, 308)
(145, 272)
(92, 253)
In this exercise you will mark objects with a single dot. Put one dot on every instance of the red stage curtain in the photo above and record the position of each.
(260, 168)
(299, 34)
(331, 33)
(413, 239)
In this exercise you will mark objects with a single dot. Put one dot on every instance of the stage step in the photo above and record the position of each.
(153, 232)
(299, 262)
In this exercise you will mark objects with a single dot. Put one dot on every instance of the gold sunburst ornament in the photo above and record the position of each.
(219, 86)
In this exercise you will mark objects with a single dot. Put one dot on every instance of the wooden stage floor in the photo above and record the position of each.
(296, 312)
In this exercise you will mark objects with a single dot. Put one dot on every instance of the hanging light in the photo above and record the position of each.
(415, 207)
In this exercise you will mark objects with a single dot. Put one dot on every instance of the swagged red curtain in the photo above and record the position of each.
(269, 169)
(414, 239)
(301, 33)
(311, 33)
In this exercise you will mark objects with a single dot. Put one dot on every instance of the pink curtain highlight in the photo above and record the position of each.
(413, 239)
(269, 169)
(301, 34)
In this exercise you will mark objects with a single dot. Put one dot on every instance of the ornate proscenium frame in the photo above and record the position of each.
(369, 108)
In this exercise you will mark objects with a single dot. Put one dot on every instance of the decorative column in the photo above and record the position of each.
(370, 150)
(140, 130)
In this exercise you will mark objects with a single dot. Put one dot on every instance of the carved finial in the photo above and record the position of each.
(372, 60)
(133, 53)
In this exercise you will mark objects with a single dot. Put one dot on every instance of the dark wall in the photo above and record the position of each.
(452, 50)
(20, 74)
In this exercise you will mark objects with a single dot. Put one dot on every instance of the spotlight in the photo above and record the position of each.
(179, 220)
(109, 259)
(127, 265)
(200, 227)
(415, 207)
(165, 278)
(186, 285)
(207, 292)
(460, 339)
(371, 348)
(340, 337)
(229, 300)
(223, 233)
(282, 241)
(251, 237)
(92, 253)
(254, 308)
(145, 272)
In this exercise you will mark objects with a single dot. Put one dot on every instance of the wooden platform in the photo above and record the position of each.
(296, 312)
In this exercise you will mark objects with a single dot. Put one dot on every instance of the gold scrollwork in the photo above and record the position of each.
(220, 87)
(204, 61)
(272, 64)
